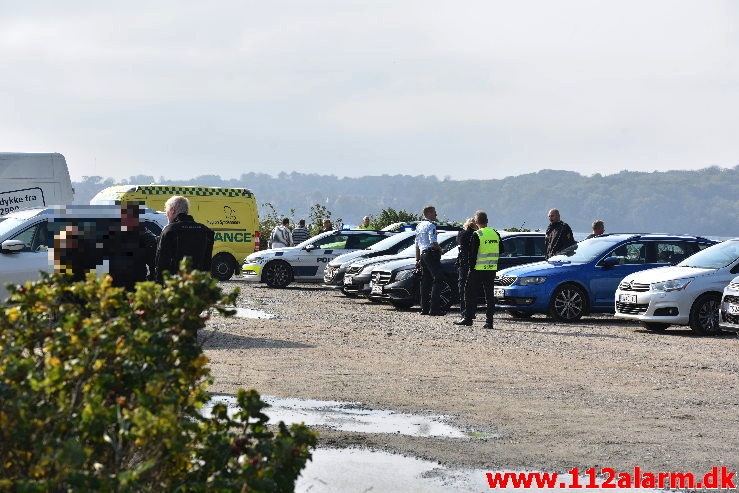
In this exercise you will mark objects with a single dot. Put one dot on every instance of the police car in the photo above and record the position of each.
(306, 262)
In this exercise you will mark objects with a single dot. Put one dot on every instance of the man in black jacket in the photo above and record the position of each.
(463, 261)
(559, 235)
(132, 249)
(183, 237)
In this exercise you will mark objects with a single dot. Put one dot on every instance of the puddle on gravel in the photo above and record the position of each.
(252, 313)
(339, 470)
(347, 416)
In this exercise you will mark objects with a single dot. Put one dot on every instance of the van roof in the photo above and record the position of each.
(29, 165)
(185, 190)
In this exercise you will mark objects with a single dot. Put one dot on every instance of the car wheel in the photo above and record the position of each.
(704, 314)
(277, 274)
(402, 304)
(568, 303)
(655, 326)
(519, 314)
(222, 266)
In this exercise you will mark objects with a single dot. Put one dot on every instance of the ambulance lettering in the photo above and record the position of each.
(233, 237)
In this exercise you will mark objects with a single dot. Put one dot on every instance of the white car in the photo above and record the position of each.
(686, 294)
(729, 311)
(27, 237)
(307, 261)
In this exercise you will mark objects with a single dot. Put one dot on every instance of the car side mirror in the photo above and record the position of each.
(12, 246)
(309, 248)
(609, 262)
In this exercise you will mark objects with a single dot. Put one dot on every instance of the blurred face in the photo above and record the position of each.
(431, 214)
(128, 221)
(553, 216)
(598, 230)
(170, 215)
(366, 221)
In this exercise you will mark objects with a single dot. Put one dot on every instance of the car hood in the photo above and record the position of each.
(379, 260)
(544, 268)
(660, 274)
(270, 252)
(349, 257)
(401, 264)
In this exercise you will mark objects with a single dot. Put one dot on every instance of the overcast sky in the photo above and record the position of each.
(465, 89)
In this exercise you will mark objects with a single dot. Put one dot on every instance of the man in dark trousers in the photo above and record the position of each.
(559, 235)
(463, 262)
(484, 252)
(428, 257)
(132, 249)
(183, 237)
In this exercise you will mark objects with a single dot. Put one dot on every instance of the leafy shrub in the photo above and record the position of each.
(101, 391)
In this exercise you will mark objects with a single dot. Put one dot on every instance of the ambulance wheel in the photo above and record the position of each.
(222, 266)
(277, 274)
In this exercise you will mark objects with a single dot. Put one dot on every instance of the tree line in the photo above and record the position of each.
(702, 202)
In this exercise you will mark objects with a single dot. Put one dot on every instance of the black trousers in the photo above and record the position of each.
(462, 272)
(477, 279)
(431, 281)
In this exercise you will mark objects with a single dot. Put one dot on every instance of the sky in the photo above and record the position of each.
(464, 89)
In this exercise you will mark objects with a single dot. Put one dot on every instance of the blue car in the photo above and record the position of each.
(583, 278)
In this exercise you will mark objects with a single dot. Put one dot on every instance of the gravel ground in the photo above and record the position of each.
(535, 395)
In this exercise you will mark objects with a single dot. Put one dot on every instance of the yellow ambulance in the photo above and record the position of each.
(230, 212)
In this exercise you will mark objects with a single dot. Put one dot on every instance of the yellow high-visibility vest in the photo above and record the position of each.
(489, 251)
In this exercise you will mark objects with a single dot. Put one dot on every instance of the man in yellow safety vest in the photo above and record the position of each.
(484, 251)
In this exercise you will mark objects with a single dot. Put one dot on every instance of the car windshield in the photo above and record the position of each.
(388, 242)
(586, 250)
(714, 257)
(9, 224)
(409, 250)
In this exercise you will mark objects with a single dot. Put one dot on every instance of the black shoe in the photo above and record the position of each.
(463, 321)
(488, 326)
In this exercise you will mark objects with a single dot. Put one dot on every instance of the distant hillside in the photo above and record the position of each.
(702, 202)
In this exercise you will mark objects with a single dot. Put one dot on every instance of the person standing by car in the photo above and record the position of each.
(132, 250)
(428, 257)
(326, 226)
(181, 238)
(484, 252)
(300, 233)
(559, 235)
(365, 223)
(463, 261)
(599, 228)
(281, 236)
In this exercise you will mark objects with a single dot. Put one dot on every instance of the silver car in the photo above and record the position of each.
(729, 309)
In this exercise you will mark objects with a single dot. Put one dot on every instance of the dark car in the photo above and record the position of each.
(583, 277)
(359, 273)
(399, 283)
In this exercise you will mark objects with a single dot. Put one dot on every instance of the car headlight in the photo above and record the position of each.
(671, 285)
(530, 281)
(404, 274)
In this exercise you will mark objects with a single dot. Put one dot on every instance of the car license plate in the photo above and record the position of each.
(348, 279)
(732, 309)
(376, 289)
(627, 298)
(499, 292)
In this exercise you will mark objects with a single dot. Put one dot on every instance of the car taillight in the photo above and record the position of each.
(257, 241)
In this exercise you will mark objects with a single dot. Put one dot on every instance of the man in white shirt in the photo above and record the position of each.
(428, 257)
(281, 236)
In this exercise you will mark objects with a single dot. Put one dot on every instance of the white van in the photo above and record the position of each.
(30, 180)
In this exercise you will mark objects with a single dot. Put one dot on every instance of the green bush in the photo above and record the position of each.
(101, 390)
